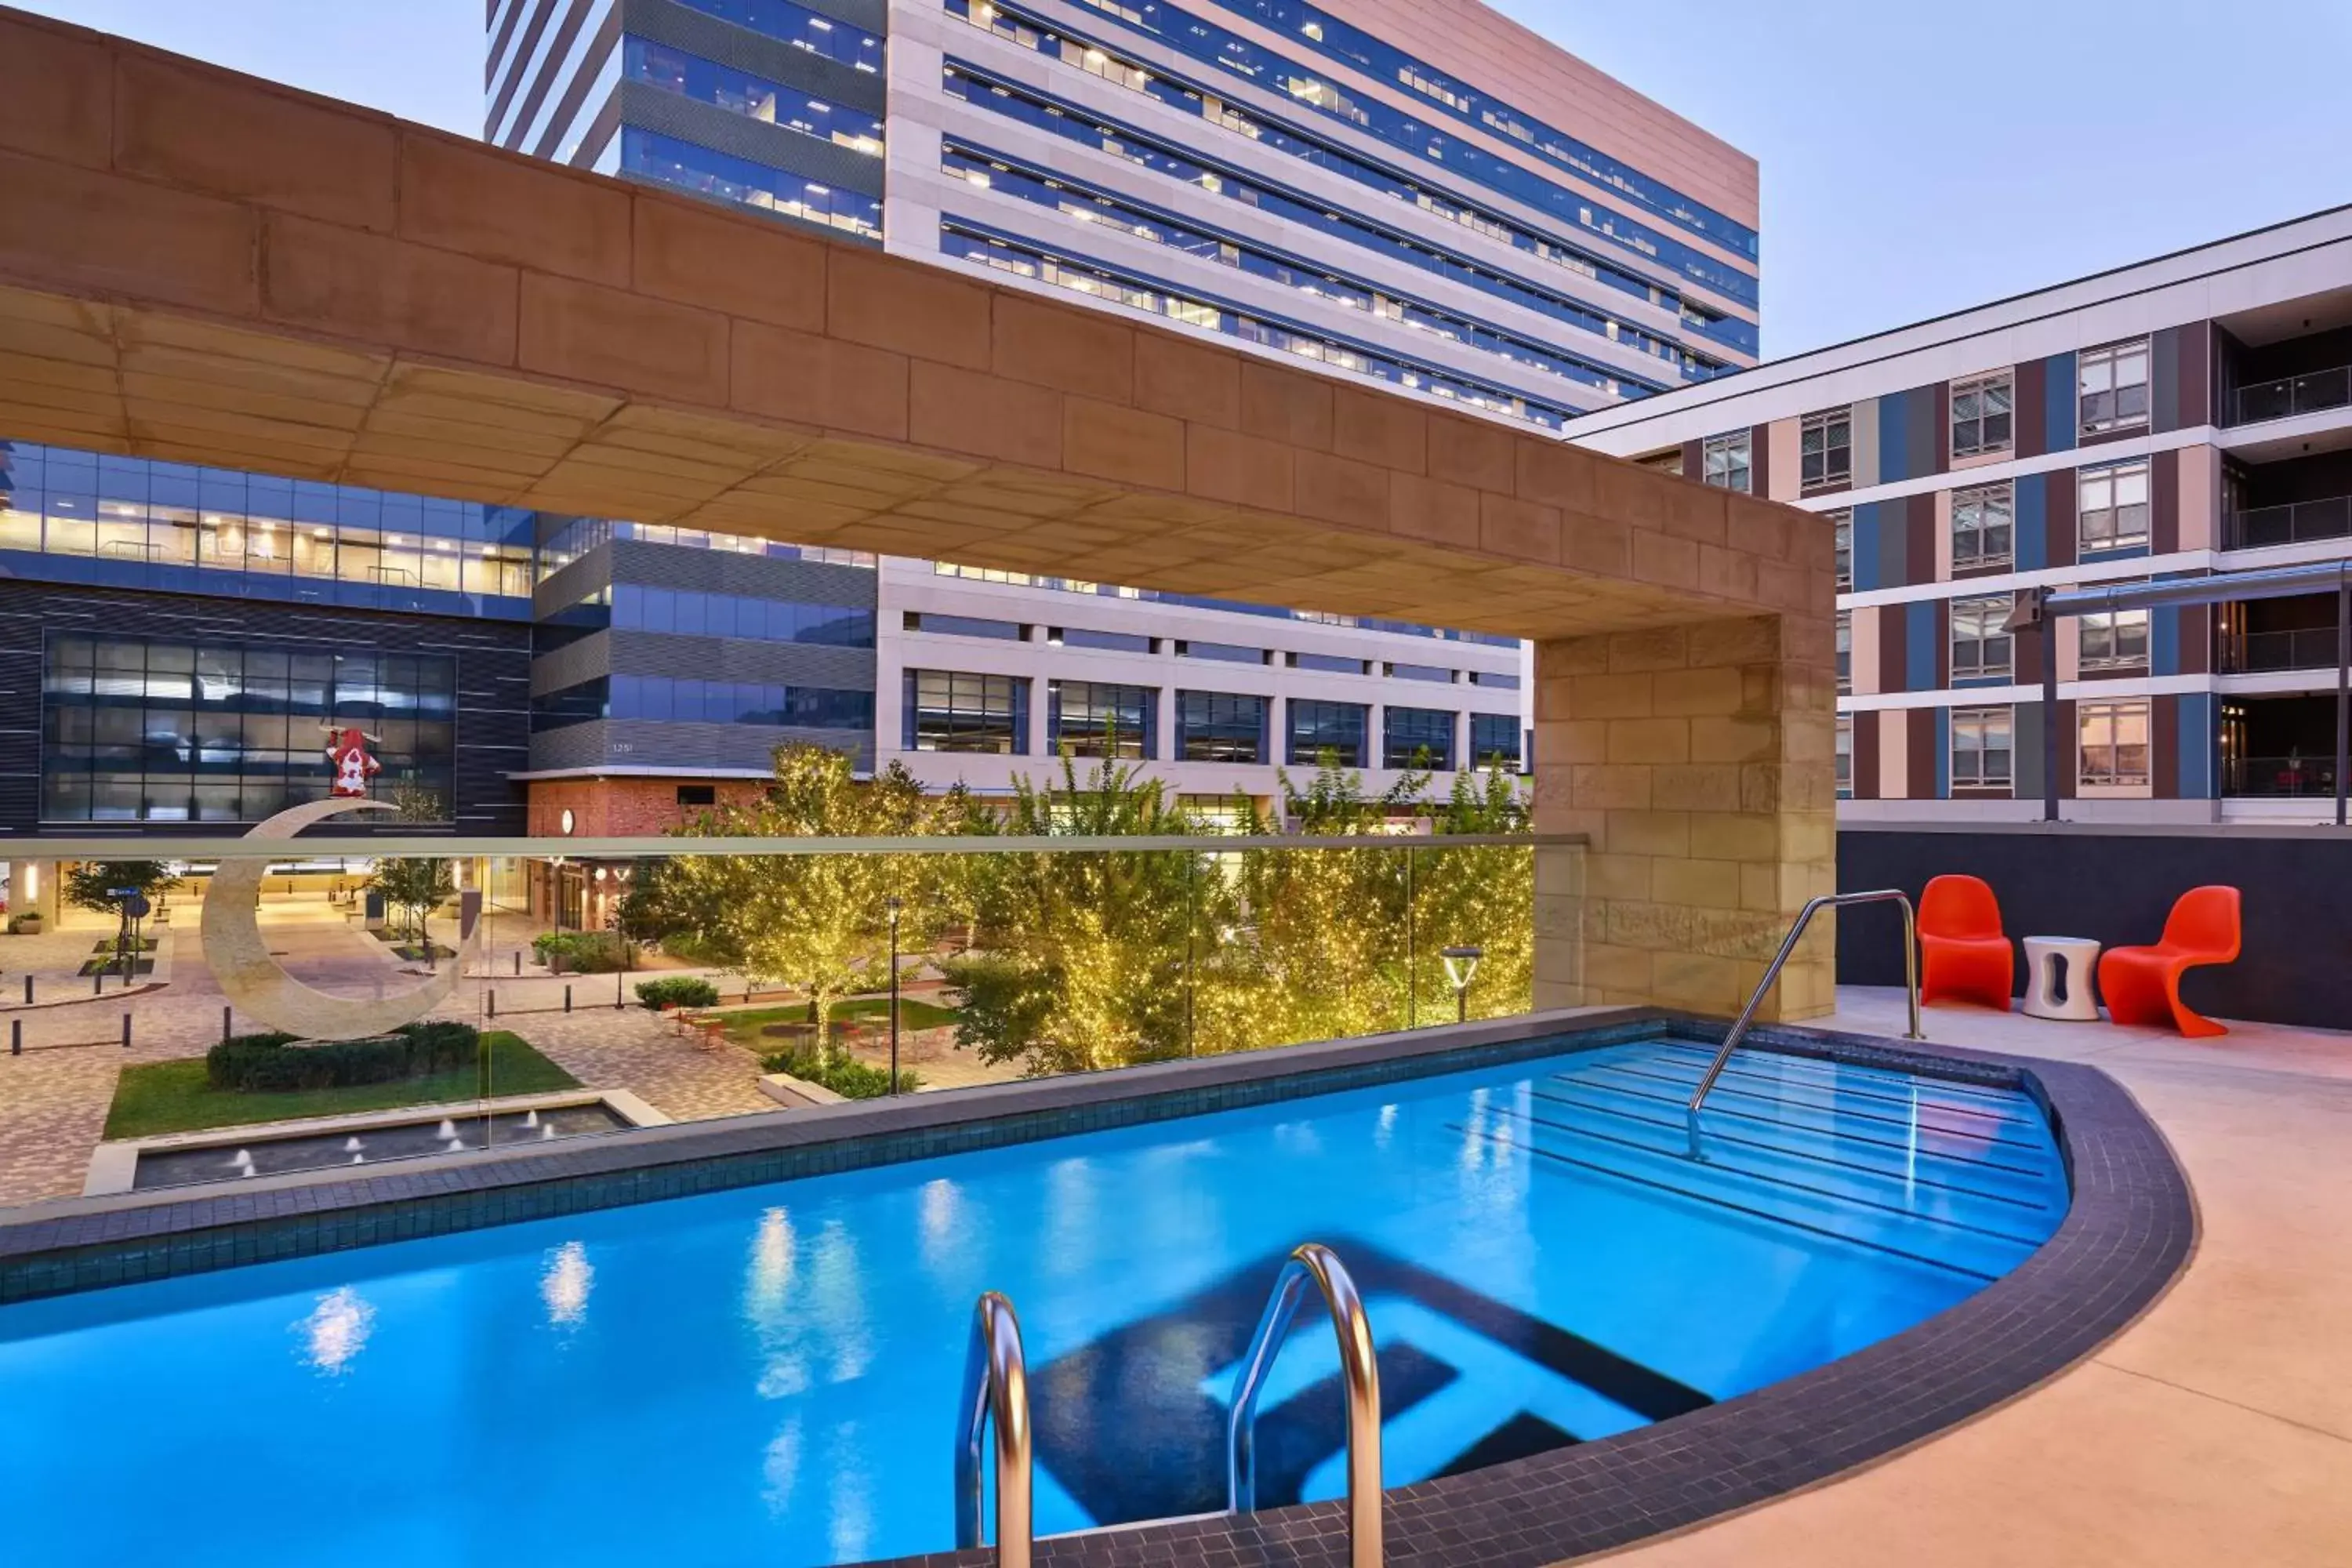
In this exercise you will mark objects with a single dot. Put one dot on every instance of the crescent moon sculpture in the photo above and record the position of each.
(256, 984)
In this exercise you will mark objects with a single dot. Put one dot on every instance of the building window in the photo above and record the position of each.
(950, 710)
(1981, 415)
(1494, 741)
(1724, 460)
(141, 731)
(1983, 531)
(1981, 643)
(2114, 639)
(1825, 449)
(2112, 386)
(1841, 549)
(2111, 507)
(1092, 719)
(2114, 743)
(1417, 738)
(1845, 650)
(1220, 727)
(1983, 748)
(1844, 756)
(1317, 728)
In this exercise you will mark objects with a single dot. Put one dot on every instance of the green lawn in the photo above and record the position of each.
(172, 1097)
(873, 1011)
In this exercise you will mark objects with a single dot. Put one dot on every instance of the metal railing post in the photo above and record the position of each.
(1739, 1027)
(1360, 1369)
(996, 1386)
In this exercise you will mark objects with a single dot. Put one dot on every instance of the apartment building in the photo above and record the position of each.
(1425, 196)
(2183, 417)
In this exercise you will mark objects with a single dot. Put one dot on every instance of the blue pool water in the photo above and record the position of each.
(767, 1376)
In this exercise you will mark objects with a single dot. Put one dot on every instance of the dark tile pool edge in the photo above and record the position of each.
(85, 1244)
(2128, 1234)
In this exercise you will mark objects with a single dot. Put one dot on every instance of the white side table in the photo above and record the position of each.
(2058, 971)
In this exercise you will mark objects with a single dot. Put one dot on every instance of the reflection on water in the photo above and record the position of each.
(336, 1331)
(565, 1284)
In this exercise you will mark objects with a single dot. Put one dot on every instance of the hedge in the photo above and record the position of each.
(677, 991)
(850, 1079)
(267, 1063)
(580, 951)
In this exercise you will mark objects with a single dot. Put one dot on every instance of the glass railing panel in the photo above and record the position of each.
(2293, 776)
(2309, 393)
(360, 1009)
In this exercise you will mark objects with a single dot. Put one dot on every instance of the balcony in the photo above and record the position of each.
(2292, 395)
(2297, 522)
(2264, 652)
(2291, 777)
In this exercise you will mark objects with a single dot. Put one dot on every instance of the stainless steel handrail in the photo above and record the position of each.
(1739, 1030)
(995, 1384)
(1313, 1261)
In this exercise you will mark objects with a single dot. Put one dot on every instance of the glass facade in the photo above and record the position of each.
(172, 527)
(799, 27)
(666, 159)
(1220, 727)
(1091, 718)
(137, 729)
(951, 710)
(754, 97)
(682, 611)
(1317, 728)
(576, 536)
(1495, 740)
(1417, 738)
(665, 699)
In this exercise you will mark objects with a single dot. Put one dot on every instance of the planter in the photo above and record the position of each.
(25, 925)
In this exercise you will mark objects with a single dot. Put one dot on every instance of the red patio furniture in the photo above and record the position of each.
(2142, 985)
(1966, 958)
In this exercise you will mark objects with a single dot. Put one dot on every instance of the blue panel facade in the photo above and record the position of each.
(1894, 438)
(1919, 645)
(2197, 746)
(2058, 416)
(2031, 538)
(1867, 571)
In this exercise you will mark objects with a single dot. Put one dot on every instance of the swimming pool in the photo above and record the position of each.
(767, 1375)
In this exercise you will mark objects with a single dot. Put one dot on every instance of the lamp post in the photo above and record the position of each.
(894, 904)
(1461, 963)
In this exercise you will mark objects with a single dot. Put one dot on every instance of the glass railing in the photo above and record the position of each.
(2257, 528)
(2303, 648)
(2291, 776)
(348, 1013)
(2292, 395)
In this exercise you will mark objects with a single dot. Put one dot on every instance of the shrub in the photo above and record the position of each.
(677, 991)
(267, 1063)
(580, 951)
(849, 1079)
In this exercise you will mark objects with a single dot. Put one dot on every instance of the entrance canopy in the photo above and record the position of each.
(207, 267)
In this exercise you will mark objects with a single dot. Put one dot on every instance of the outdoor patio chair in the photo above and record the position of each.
(1966, 957)
(2142, 985)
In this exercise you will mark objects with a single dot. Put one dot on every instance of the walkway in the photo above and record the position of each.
(2217, 1430)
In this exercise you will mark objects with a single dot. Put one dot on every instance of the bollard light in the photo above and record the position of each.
(1461, 965)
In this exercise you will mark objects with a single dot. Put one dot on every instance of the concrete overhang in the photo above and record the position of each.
(203, 267)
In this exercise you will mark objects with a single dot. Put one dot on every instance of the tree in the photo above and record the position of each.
(94, 884)
(1330, 923)
(817, 922)
(1080, 960)
(1478, 895)
(415, 887)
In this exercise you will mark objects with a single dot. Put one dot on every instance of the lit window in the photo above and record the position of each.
(2111, 506)
(1825, 449)
(1981, 414)
(1844, 755)
(1841, 549)
(1984, 748)
(1981, 643)
(1725, 461)
(1982, 530)
(1845, 650)
(2113, 741)
(2112, 386)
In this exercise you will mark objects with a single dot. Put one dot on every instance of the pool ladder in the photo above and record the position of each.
(1739, 1027)
(996, 1388)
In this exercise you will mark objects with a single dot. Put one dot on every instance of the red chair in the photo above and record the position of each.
(2142, 985)
(1967, 959)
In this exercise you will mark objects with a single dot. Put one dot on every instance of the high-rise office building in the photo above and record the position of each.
(1423, 196)
(2184, 417)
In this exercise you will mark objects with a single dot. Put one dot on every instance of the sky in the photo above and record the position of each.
(1918, 156)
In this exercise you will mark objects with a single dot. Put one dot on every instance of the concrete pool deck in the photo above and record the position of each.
(2216, 1429)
